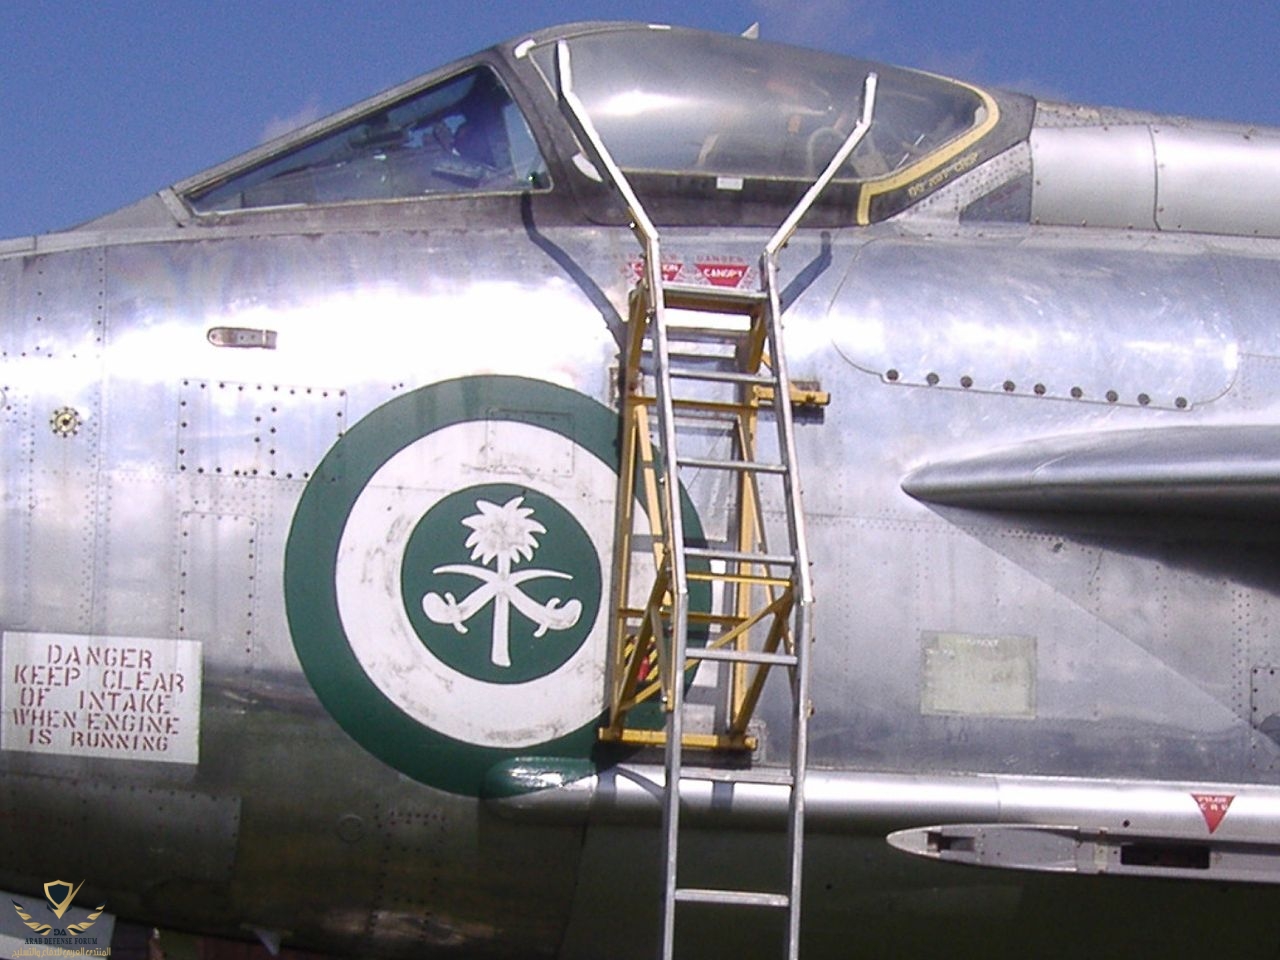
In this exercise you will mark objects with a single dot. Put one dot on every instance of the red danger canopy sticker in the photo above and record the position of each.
(1214, 807)
(671, 269)
(722, 273)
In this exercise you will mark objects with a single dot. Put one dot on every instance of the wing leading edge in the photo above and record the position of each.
(1201, 470)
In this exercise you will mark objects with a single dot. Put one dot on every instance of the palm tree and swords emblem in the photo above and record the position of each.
(501, 535)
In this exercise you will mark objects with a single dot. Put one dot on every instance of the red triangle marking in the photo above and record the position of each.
(722, 274)
(1214, 807)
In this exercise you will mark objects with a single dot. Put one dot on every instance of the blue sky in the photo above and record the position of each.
(106, 101)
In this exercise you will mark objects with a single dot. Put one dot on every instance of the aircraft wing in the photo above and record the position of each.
(1200, 470)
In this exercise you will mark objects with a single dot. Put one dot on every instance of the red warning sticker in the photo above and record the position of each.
(1214, 807)
(671, 269)
(722, 273)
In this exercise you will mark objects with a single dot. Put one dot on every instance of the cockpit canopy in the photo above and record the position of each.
(686, 102)
(690, 114)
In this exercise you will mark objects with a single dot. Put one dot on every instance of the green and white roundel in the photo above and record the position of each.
(446, 576)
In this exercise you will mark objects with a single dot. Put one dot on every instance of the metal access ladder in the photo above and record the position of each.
(742, 603)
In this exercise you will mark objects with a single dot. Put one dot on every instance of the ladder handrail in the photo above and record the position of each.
(789, 225)
(647, 233)
(586, 131)
(802, 587)
(802, 578)
(673, 521)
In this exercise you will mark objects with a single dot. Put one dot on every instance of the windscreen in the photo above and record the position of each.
(463, 135)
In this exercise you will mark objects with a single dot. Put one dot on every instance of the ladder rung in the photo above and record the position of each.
(708, 374)
(767, 776)
(687, 296)
(702, 616)
(757, 579)
(694, 333)
(721, 376)
(734, 556)
(732, 898)
(691, 741)
(688, 406)
(692, 352)
(741, 656)
(745, 466)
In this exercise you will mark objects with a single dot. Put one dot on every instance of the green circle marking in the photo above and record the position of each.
(311, 556)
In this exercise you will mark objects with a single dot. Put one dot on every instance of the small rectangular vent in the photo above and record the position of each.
(1171, 856)
(942, 842)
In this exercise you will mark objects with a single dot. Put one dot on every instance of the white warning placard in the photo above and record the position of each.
(118, 697)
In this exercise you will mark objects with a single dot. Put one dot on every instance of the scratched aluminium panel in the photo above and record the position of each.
(1264, 709)
(137, 555)
(256, 429)
(988, 647)
(10, 274)
(58, 308)
(1217, 180)
(65, 499)
(56, 369)
(15, 505)
(150, 835)
(1116, 188)
(216, 585)
(1126, 321)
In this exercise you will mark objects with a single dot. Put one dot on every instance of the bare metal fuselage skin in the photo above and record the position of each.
(1000, 645)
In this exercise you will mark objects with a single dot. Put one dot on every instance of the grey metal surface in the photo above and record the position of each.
(1116, 188)
(973, 666)
(1218, 181)
(1005, 315)
(852, 802)
(1142, 172)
